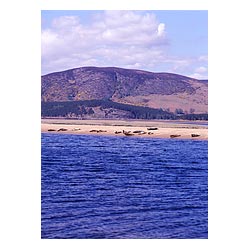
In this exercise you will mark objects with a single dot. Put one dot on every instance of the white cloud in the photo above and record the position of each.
(199, 72)
(129, 39)
(188, 66)
(114, 38)
(203, 58)
(201, 69)
(197, 76)
(65, 22)
(161, 29)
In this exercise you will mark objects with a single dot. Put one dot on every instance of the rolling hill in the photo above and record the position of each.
(166, 91)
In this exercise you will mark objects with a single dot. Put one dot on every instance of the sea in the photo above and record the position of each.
(118, 187)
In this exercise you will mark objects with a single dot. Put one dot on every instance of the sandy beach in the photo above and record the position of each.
(135, 128)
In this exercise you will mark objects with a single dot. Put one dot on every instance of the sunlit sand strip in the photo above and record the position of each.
(147, 129)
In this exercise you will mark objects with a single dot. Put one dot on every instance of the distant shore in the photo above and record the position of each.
(137, 128)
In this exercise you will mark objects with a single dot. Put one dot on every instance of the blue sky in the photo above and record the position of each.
(158, 41)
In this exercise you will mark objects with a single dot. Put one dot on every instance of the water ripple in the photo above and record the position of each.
(116, 187)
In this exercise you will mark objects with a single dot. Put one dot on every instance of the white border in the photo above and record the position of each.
(20, 101)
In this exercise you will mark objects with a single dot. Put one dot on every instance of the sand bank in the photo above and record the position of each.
(137, 128)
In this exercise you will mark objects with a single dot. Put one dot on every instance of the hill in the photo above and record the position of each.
(168, 92)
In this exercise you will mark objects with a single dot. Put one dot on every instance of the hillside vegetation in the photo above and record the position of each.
(110, 110)
(122, 93)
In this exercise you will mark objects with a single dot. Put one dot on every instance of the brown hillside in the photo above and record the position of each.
(137, 87)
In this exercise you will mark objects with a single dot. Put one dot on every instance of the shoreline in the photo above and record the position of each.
(132, 128)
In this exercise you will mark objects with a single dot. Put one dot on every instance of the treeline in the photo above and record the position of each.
(83, 108)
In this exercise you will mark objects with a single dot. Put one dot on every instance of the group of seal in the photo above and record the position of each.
(127, 133)
(97, 131)
(136, 132)
(192, 135)
(62, 129)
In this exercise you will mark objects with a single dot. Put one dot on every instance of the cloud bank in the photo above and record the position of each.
(129, 39)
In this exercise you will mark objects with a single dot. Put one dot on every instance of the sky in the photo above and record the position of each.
(158, 41)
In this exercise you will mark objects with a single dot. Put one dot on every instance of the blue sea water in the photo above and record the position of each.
(122, 187)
